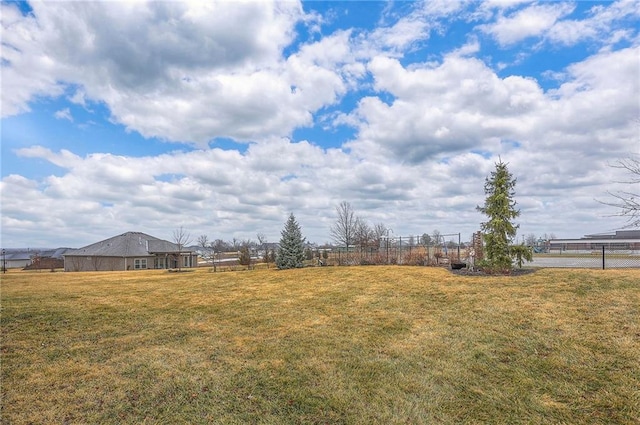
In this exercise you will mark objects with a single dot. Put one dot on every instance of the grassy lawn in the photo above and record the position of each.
(353, 345)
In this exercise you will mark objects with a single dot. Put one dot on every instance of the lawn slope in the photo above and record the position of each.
(352, 345)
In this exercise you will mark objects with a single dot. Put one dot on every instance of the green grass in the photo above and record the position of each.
(352, 345)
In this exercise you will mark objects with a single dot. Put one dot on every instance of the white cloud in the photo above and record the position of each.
(412, 28)
(461, 104)
(455, 106)
(427, 133)
(24, 76)
(558, 143)
(534, 20)
(599, 26)
(79, 98)
(503, 4)
(402, 34)
(64, 114)
(593, 102)
(551, 22)
(192, 74)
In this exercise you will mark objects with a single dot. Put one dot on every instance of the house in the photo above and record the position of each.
(129, 251)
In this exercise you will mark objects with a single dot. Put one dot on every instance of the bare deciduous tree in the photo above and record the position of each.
(343, 231)
(364, 234)
(379, 231)
(219, 245)
(203, 241)
(435, 237)
(181, 238)
(531, 239)
(628, 202)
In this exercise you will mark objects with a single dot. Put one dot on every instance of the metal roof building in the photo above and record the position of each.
(627, 241)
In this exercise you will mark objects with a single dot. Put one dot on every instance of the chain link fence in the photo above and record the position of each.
(401, 250)
(603, 258)
(449, 251)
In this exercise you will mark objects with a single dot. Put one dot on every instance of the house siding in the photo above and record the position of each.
(16, 264)
(73, 263)
(77, 263)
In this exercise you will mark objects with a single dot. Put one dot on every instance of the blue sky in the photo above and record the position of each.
(148, 116)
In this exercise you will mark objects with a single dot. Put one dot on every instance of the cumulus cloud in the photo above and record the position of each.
(178, 71)
(531, 21)
(557, 142)
(551, 22)
(461, 104)
(426, 132)
(457, 105)
(222, 188)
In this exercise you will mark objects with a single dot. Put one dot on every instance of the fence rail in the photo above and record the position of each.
(604, 258)
(409, 251)
(399, 250)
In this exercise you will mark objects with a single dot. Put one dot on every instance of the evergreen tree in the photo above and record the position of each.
(291, 251)
(499, 230)
(245, 256)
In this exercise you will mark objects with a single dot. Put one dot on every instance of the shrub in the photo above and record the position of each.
(415, 259)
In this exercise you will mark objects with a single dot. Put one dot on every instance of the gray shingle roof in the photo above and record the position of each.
(18, 256)
(130, 244)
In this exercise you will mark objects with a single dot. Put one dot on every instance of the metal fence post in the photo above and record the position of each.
(387, 249)
(603, 257)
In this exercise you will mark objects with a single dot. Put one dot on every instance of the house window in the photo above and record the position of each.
(159, 263)
(140, 263)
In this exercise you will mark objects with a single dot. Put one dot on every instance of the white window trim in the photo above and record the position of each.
(140, 264)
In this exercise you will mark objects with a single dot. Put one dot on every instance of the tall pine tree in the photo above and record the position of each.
(291, 251)
(499, 230)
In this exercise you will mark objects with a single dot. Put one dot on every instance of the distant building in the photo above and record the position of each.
(627, 241)
(129, 251)
(48, 259)
(33, 258)
(16, 259)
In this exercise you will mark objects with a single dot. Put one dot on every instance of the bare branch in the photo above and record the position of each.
(181, 238)
(627, 203)
(632, 165)
(343, 230)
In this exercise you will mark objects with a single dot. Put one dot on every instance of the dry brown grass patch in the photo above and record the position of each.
(355, 345)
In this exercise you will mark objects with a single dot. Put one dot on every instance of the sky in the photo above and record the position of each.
(225, 117)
